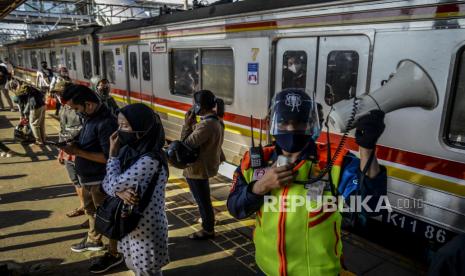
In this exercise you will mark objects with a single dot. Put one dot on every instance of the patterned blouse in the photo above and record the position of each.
(147, 245)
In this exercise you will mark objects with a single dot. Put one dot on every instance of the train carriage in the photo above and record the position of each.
(247, 51)
(74, 49)
(126, 61)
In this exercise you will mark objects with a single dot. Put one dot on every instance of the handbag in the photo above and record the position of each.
(180, 155)
(112, 218)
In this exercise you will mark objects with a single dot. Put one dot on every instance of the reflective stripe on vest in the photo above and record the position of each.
(298, 242)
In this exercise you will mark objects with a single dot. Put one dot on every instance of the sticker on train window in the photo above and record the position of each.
(294, 69)
(341, 76)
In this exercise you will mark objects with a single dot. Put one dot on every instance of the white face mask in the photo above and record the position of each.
(292, 68)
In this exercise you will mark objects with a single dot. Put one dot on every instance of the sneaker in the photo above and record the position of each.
(84, 245)
(105, 262)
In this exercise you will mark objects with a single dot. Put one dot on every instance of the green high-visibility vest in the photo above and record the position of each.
(298, 242)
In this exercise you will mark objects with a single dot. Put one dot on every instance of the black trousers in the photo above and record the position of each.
(200, 189)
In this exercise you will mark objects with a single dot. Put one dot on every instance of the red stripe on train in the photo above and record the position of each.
(230, 117)
(411, 159)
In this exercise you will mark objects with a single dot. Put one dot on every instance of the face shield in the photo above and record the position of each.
(294, 111)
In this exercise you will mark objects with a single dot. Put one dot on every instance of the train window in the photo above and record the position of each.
(34, 63)
(53, 60)
(20, 60)
(109, 66)
(294, 69)
(341, 76)
(43, 56)
(133, 64)
(184, 71)
(73, 55)
(218, 73)
(68, 60)
(146, 66)
(86, 64)
(455, 131)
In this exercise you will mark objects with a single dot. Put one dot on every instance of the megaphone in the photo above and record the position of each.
(410, 86)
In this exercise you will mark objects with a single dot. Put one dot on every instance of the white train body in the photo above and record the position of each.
(242, 57)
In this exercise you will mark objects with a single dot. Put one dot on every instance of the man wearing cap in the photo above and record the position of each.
(291, 238)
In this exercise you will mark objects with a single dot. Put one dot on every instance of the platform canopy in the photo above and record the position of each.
(20, 19)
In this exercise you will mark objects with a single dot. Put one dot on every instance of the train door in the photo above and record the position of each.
(296, 63)
(134, 73)
(335, 67)
(342, 68)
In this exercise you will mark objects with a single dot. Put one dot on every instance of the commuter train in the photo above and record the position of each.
(246, 51)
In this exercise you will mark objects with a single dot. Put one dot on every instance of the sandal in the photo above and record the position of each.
(75, 213)
(201, 235)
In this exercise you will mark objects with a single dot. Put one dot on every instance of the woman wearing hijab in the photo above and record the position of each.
(135, 157)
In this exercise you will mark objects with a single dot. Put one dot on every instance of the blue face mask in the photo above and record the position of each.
(291, 142)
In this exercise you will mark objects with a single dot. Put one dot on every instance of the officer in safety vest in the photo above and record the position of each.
(294, 234)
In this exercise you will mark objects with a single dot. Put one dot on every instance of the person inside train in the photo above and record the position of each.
(290, 238)
(341, 80)
(91, 150)
(44, 77)
(61, 76)
(294, 72)
(103, 91)
(137, 161)
(186, 79)
(207, 136)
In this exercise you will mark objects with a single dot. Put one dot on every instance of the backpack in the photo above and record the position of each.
(112, 218)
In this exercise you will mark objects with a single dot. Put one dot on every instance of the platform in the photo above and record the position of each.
(35, 234)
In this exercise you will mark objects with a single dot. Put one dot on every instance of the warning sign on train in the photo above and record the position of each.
(158, 47)
(252, 73)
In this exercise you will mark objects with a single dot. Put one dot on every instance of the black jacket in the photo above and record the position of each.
(95, 137)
